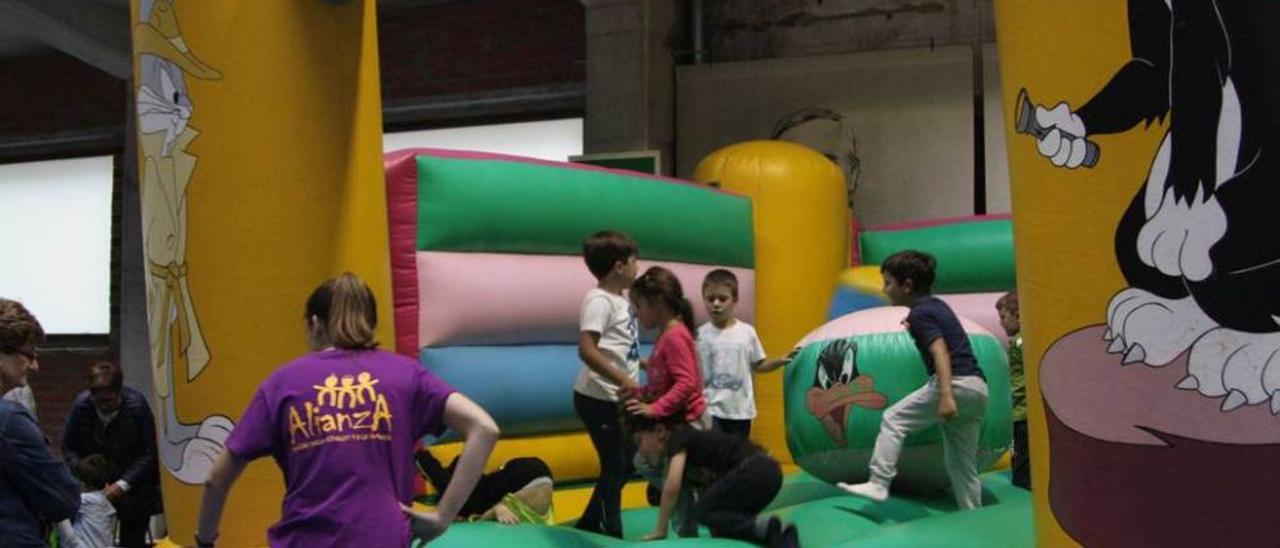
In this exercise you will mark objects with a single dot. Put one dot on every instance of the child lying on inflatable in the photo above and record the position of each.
(518, 492)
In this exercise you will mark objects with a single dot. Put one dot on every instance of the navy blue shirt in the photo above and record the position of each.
(929, 319)
(35, 489)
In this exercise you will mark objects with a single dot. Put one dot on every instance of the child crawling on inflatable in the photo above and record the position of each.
(736, 479)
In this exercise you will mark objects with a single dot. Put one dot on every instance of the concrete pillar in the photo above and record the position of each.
(630, 77)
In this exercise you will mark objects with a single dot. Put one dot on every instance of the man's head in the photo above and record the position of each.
(611, 254)
(20, 334)
(908, 275)
(105, 385)
(720, 294)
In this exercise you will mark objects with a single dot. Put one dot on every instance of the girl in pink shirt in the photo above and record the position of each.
(675, 381)
(674, 392)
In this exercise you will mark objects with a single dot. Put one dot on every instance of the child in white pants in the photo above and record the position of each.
(955, 395)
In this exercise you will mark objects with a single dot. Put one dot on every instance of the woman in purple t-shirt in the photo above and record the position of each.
(341, 422)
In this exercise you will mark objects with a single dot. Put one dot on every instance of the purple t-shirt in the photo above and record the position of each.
(342, 427)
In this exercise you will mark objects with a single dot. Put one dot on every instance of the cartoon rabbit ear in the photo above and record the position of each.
(149, 39)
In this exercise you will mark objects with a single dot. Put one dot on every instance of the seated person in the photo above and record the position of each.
(519, 492)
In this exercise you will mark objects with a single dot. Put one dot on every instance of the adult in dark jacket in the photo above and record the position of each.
(116, 421)
(35, 489)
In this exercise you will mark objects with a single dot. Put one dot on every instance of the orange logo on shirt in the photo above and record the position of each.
(346, 408)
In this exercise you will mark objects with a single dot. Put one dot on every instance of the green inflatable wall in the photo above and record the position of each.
(470, 205)
(973, 256)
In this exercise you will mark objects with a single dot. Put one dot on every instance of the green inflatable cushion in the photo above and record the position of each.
(823, 516)
(515, 207)
(895, 368)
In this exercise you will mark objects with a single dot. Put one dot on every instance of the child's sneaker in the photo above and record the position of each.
(869, 490)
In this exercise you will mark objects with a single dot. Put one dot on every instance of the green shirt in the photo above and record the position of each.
(1017, 382)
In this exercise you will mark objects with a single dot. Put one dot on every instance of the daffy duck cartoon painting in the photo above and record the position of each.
(838, 387)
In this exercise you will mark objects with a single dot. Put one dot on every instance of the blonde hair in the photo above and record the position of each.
(345, 307)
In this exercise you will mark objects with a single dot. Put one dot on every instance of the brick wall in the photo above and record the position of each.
(62, 375)
(450, 48)
(480, 45)
(52, 94)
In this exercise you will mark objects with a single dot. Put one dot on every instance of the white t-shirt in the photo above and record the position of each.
(610, 316)
(726, 357)
(95, 524)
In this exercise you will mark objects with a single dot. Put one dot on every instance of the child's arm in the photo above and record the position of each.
(223, 474)
(942, 366)
(589, 352)
(67, 535)
(670, 492)
(766, 366)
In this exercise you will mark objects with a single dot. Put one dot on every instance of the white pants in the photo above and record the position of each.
(918, 411)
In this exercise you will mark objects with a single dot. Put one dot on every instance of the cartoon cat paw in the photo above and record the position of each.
(1242, 368)
(1063, 142)
(1177, 239)
(1153, 330)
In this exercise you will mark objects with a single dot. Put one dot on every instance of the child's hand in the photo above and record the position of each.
(114, 493)
(947, 408)
(630, 387)
(640, 408)
(792, 354)
(656, 535)
(428, 525)
(644, 364)
(505, 515)
(627, 394)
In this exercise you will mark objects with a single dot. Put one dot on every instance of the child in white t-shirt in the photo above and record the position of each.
(95, 523)
(610, 353)
(728, 351)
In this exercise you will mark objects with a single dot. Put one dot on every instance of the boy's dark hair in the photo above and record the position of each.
(1008, 302)
(606, 248)
(724, 278)
(94, 471)
(917, 266)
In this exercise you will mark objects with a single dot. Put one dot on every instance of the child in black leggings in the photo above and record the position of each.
(736, 480)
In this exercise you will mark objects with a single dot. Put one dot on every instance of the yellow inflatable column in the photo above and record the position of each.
(1145, 279)
(802, 241)
(260, 166)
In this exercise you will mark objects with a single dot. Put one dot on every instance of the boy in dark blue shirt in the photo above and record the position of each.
(955, 395)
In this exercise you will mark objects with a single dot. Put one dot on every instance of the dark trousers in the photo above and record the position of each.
(741, 428)
(1021, 456)
(133, 531)
(614, 449)
(729, 506)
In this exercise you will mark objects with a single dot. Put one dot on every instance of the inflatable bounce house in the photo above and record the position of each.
(487, 276)
(1147, 283)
